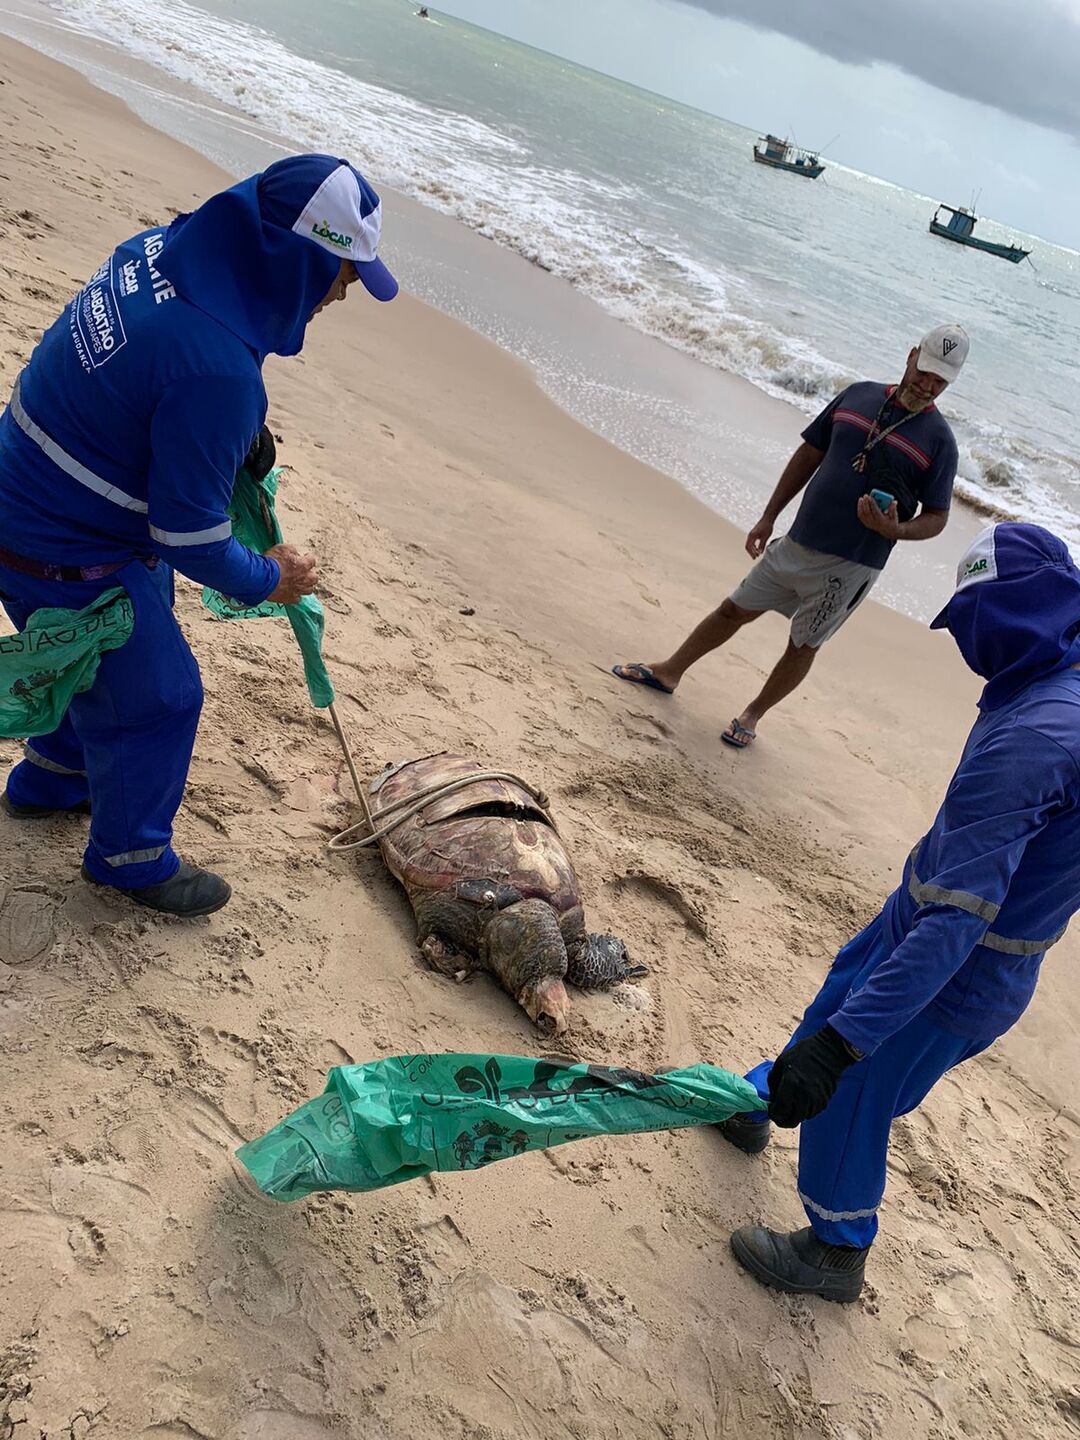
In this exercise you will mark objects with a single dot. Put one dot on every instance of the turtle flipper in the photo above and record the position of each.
(600, 963)
(448, 932)
(451, 963)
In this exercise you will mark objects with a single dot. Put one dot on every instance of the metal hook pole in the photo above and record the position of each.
(352, 767)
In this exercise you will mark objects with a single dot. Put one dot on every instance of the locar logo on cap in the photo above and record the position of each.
(344, 216)
(323, 232)
(978, 563)
(979, 560)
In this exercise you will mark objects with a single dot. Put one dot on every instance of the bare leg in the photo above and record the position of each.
(788, 673)
(715, 630)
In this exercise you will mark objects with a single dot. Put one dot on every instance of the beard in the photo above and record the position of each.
(908, 398)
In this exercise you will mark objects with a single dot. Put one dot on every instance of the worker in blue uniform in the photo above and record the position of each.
(119, 448)
(952, 960)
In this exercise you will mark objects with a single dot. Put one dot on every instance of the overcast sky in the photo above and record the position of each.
(947, 97)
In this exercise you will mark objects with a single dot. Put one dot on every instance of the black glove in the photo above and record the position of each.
(803, 1079)
(262, 455)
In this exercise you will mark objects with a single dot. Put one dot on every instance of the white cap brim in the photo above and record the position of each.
(940, 368)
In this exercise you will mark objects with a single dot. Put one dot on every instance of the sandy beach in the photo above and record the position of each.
(484, 560)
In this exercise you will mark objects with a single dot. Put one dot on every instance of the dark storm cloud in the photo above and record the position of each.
(1021, 56)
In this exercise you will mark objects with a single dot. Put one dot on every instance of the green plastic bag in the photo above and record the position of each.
(255, 524)
(398, 1119)
(56, 657)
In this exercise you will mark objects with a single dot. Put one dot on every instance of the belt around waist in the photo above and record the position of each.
(47, 570)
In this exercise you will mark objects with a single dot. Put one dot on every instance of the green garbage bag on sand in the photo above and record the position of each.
(255, 524)
(398, 1119)
(56, 657)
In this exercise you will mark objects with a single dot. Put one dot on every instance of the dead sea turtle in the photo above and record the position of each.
(490, 883)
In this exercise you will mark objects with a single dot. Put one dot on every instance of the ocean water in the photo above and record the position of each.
(650, 209)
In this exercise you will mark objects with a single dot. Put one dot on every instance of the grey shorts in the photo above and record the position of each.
(817, 592)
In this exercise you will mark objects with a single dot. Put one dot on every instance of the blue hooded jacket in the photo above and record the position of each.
(126, 429)
(996, 880)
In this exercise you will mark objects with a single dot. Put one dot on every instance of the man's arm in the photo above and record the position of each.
(797, 473)
(996, 803)
(199, 437)
(933, 513)
(923, 526)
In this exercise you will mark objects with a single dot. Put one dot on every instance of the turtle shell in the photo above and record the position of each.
(488, 830)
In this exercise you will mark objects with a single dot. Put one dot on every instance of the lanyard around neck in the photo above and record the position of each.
(877, 434)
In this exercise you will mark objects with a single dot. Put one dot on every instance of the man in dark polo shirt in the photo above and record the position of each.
(889, 439)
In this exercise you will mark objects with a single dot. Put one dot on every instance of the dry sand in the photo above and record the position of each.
(588, 1292)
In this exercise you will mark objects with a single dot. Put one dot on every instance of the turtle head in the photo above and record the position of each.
(524, 948)
(547, 1004)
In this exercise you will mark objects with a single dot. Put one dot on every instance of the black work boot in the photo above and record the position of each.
(800, 1263)
(188, 893)
(746, 1134)
(39, 812)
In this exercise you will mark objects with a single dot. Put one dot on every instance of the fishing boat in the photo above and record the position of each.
(960, 227)
(782, 155)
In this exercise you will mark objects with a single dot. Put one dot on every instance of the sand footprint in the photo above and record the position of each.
(27, 926)
(965, 1307)
(673, 896)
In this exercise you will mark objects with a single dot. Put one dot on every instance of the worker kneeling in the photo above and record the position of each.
(118, 452)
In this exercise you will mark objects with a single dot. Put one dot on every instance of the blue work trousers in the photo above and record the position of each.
(842, 1153)
(126, 743)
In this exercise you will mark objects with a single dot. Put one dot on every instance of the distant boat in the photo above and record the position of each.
(960, 227)
(782, 155)
(422, 14)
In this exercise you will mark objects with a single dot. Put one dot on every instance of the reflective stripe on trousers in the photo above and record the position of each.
(843, 1153)
(44, 763)
(136, 857)
(131, 733)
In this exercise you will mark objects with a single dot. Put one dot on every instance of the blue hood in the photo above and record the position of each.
(1015, 615)
(238, 261)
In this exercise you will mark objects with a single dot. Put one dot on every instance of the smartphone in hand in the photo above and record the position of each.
(882, 499)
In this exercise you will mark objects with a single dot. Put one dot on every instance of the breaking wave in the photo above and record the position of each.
(591, 231)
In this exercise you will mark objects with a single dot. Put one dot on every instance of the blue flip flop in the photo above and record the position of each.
(638, 674)
(740, 736)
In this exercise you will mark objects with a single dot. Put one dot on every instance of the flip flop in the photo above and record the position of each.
(740, 736)
(638, 674)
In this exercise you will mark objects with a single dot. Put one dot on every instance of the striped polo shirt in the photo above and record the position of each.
(916, 463)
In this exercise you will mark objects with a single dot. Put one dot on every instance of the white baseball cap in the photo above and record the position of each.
(943, 351)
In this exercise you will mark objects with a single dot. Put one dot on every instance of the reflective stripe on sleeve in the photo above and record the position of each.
(192, 537)
(984, 909)
(962, 899)
(63, 461)
(1006, 946)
